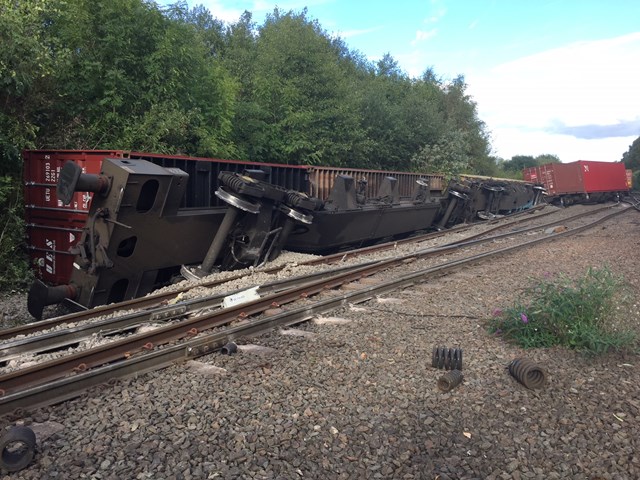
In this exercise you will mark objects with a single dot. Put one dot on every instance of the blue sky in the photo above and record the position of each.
(548, 76)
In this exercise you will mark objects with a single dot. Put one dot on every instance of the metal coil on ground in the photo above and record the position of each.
(450, 380)
(528, 373)
(447, 358)
(17, 448)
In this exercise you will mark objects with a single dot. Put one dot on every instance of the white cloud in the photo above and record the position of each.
(221, 11)
(422, 35)
(586, 83)
(508, 142)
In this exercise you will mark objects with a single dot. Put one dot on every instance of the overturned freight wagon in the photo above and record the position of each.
(136, 236)
(475, 197)
(147, 223)
(53, 228)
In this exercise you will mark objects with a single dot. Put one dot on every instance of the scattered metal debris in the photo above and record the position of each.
(450, 380)
(18, 448)
(229, 349)
(447, 358)
(528, 373)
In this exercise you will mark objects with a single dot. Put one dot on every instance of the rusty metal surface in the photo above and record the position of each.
(528, 373)
(321, 180)
(450, 380)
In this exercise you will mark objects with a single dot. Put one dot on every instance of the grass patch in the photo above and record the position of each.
(578, 314)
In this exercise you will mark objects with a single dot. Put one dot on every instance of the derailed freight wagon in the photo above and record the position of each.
(581, 181)
(138, 236)
(54, 228)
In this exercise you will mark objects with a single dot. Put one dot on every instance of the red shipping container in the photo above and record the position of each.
(51, 226)
(583, 176)
(41, 171)
(49, 245)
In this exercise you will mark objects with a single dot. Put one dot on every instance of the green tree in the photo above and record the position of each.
(519, 162)
(631, 160)
(139, 79)
(449, 156)
(296, 100)
(28, 58)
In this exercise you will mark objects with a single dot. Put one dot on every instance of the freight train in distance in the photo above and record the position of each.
(581, 182)
(131, 222)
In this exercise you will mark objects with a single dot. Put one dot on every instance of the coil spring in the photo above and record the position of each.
(447, 358)
(292, 198)
(450, 380)
(231, 180)
(528, 373)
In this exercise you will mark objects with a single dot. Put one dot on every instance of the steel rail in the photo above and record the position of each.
(158, 298)
(72, 336)
(110, 326)
(535, 227)
(81, 361)
(473, 238)
(69, 387)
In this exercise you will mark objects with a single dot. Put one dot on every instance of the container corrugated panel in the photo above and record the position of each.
(41, 171)
(563, 177)
(556, 177)
(322, 178)
(582, 176)
(49, 245)
(51, 226)
(603, 176)
(531, 174)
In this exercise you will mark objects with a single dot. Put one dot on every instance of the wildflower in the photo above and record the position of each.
(498, 332)
(497, 312)
(524, 318)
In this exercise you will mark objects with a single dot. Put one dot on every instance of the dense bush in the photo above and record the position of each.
(15, 267)
(580, 314)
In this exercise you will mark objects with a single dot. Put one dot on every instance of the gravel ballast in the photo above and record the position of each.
(353, 394)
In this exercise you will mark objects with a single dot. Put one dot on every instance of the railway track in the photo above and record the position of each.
(83, 329)
(66, 377)
(157, 299)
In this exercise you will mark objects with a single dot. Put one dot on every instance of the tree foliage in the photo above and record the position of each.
(518, 163)
(631, 160)
(128, 74)
(131, 75)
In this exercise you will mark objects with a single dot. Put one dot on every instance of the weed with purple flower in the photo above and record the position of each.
(572, 313)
